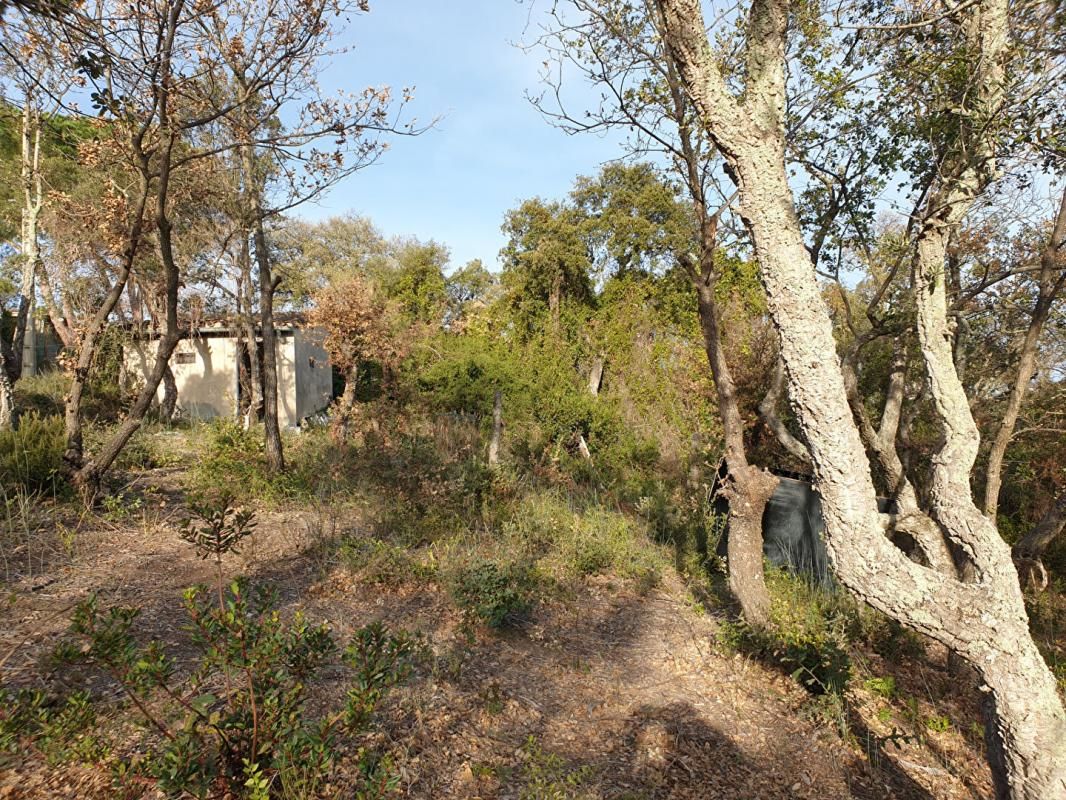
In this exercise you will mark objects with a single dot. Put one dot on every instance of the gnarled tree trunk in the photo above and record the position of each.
(983, 621)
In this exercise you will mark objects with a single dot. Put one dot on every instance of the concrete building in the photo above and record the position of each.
(211, 372)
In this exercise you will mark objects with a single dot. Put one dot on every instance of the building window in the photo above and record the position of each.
(185, 358)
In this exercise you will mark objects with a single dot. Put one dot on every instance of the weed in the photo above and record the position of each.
(883, 687)
(494, 594)
(31, 455)
(548, 777)
(938, 723)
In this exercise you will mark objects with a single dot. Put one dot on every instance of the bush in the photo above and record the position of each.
(31, 456)
(494, 594)
(258, 732)
(808, 636)
(380, 562)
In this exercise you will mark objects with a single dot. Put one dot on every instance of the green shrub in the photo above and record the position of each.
(808, 636)
(44, 393)
(58, 728)
(380, 562)
(494, 594)
(259, 732)
(31, 455)
(546, 776)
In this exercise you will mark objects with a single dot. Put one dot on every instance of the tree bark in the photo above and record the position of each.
(269, 365)
(909, 517)
(271, 429)
(1029, 552)
(497, 429)
(747, 489)
(596, 375)
(169, 404)
(1050, 285)
(247, 320)
(12, 357)
(768, 413)
(7, 393)
(984, 621)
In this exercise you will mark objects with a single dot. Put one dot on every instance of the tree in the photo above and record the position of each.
(546, 260)
(984, 621)
(267, 57)
(615, 45)
(1050, 280)
(360, 328)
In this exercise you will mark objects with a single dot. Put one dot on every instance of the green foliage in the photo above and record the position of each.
(883, 687)
(808, 636)
(58, 728)
(494, 594)
(379, 562)
(217, 526)
(547, 777)
(31, 455)
(257, 733)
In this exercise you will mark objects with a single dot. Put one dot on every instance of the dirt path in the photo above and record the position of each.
(611, 694)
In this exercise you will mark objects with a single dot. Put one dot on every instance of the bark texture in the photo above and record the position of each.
(497, 429)
(983, 621)
(253, 197)
(1029, 552)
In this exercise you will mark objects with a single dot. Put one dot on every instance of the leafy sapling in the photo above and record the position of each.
(217, 528)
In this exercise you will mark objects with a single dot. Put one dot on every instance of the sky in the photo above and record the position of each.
(490, 148)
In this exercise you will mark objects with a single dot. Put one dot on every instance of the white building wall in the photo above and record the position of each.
(205, 371)
(314, 375)
(286, 352)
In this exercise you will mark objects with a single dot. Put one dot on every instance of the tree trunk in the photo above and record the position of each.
(748, 489)
(247, 320)
(13, 357)
(271, 429)
(87, 479)
(497, 429)
(345, 405)
(909, 518)
(7, 393)
(596, 375)
(1029, 552)
(768, 413)
(170, 397)
(984, 621)
(1050, 285)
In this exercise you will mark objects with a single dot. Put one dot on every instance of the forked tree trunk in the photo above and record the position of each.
(269, 366)
(983, 621)
(747, 489)
(169, 405)
(87, 478)
(1050, 284)
(768, 414)
(909, 518)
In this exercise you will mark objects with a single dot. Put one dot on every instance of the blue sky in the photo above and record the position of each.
(490, 149)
